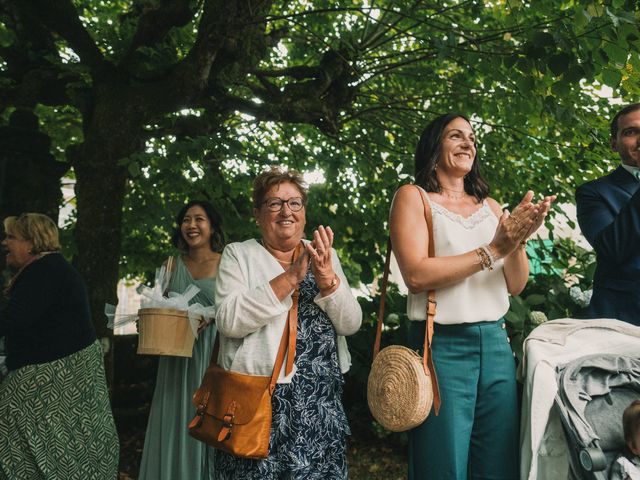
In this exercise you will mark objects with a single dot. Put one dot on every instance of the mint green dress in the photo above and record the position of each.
(169, 452)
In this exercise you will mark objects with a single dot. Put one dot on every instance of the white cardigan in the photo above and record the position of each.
(251, 319)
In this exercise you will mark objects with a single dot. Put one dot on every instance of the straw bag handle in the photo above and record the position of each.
(287, 342)
(171, 263)
(427, 355)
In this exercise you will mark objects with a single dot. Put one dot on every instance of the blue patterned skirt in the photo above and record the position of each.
(309, 427)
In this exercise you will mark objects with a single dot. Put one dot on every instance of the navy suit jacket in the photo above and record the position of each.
(609, 217)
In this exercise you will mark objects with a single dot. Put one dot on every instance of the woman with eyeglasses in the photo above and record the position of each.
(55, 417)
(256, 280)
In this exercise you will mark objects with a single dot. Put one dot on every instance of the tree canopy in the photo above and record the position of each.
(150, 102)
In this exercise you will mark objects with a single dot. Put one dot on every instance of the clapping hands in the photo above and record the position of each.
(516, 227)
(316, 254)
(319, 250)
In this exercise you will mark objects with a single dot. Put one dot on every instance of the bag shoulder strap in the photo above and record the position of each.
(427, 356)
(287, 342)
(282, 349)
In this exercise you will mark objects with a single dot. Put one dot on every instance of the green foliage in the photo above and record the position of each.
(525, 77)
(525, 73)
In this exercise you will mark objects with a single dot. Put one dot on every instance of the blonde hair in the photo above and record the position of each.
(36, 228)
(269, 179)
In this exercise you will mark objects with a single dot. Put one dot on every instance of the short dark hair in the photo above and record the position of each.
(614, 122)
(217, 235)
(631, 421)
(427, 154)
(275, 176)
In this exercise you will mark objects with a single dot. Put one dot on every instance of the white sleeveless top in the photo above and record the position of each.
(480, 297)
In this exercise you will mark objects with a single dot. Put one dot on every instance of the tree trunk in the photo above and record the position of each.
(100, 188)
(111, 133)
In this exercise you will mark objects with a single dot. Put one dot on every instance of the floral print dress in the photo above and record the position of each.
(309, 427)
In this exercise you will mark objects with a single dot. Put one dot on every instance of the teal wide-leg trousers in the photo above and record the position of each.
(475, 436)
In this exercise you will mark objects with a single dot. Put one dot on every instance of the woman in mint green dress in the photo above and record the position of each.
(169, 452)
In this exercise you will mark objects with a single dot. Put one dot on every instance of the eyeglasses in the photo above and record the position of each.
(275, 204)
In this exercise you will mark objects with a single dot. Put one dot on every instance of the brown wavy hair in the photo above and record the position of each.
(428, 152)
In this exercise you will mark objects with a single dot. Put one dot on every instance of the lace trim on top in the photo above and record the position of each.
(470, 222)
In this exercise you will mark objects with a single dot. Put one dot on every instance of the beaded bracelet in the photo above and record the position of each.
(486, 256)
(490, 254)
(485, 259)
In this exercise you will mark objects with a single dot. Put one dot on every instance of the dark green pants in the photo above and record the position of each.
(475, 436)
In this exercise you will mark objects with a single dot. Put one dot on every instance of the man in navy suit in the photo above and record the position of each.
(609, 217)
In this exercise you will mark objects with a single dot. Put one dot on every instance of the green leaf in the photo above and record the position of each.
(366, 274)
(574, 74)
(134, 169)
(6, 37)
(535, 299)
(543, 39)
(559, 63)
(561, 88)
(616, 53)
(515, 321)
(581, 17)
(611, 77)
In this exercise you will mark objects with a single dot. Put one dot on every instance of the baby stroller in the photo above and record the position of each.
(579, 376)
(593, 391)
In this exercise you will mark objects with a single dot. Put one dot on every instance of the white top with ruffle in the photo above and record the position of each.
(480, 297)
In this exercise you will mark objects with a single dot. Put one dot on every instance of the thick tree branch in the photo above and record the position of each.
(61, 17)
(45, 86)
(297, 72)
(227, 36)
(155, 23)
(186, 126)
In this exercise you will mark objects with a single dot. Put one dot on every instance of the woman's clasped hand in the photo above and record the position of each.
(515, 228)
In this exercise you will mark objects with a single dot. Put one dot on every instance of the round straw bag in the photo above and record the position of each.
(164, 331)
(399, 392)
(403, 385)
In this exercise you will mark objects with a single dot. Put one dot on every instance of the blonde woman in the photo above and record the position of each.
(55, 416)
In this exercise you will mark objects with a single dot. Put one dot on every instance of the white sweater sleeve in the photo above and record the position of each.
(341, 306)
(240, 309)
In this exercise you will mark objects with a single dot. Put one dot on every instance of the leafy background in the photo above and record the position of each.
(148, 103)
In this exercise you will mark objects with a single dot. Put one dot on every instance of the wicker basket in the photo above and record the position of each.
(164, 331)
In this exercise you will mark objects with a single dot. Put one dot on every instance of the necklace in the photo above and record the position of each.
(460, 193)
